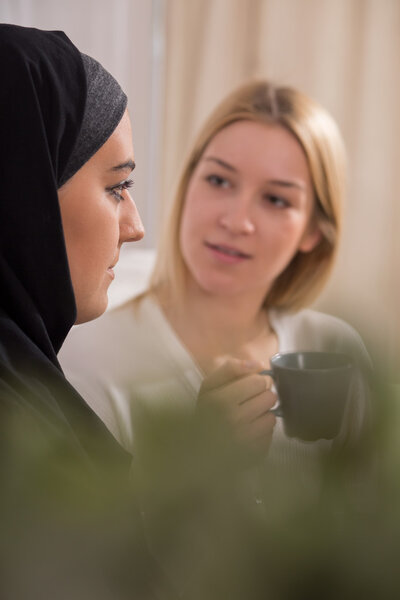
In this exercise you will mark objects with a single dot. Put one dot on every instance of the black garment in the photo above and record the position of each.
(69, 524)
(42, 103)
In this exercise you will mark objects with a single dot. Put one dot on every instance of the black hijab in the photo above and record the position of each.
(43, 95)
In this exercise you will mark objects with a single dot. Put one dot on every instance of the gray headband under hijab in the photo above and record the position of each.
(105, 105)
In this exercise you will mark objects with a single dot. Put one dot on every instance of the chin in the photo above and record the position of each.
(91, 312)
(219, 287)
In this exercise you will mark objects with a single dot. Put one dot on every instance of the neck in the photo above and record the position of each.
(214, 326)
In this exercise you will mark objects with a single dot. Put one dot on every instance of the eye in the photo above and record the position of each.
(217, 181)
(277, 201)
(117, 190)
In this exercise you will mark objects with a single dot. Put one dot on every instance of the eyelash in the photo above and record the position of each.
(277, 201)
(217, 180)
(120, 187)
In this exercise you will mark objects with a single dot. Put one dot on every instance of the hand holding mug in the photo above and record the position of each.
(243, 393)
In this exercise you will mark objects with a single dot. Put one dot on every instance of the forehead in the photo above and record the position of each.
(269, 149)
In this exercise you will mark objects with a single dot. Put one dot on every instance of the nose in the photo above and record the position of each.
(130, 227)
(237, 220)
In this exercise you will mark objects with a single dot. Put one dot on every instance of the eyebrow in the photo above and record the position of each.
(128, 164)
(281, 182)
(220, 162)
(287, 184)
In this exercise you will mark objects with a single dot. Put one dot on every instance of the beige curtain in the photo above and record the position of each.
(344, 53)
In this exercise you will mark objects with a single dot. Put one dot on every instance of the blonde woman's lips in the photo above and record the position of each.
(227, 254)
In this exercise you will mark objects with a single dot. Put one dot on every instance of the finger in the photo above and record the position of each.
(236, 392)
(254, 408)
(260, 431)
(232, 369)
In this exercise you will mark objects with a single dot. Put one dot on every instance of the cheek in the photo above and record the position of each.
(189, 220)
(91, 240)
(281, 241)
(199, 210)
(80, 238)
(287, 230)
(185, 231)
(196, 223)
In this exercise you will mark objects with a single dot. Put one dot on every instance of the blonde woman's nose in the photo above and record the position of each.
(237, 220)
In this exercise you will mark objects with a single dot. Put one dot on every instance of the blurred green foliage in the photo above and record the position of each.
(199, 517)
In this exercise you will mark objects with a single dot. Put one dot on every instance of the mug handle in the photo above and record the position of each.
(277, 411)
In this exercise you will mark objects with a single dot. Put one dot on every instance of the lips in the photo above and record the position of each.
(114, 263)
(110, 269)
(228, 250)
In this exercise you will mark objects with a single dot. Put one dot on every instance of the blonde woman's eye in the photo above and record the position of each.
(116, 191)
(277, 201)
(217, 181)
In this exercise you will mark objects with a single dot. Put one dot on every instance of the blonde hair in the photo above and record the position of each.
(317, 133)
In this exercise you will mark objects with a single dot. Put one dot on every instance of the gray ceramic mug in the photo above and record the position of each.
(313, 388)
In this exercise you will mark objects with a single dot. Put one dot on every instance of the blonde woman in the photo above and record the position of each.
(250, 242)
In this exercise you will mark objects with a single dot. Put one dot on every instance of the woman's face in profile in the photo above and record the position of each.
(248, 210)
(98, 216)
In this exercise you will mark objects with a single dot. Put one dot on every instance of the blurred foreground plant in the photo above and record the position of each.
(219, 522)
(227, 526)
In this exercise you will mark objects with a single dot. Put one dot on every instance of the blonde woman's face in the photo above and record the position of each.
(248, 210)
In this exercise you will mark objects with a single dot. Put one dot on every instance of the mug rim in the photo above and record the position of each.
(346, 365)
